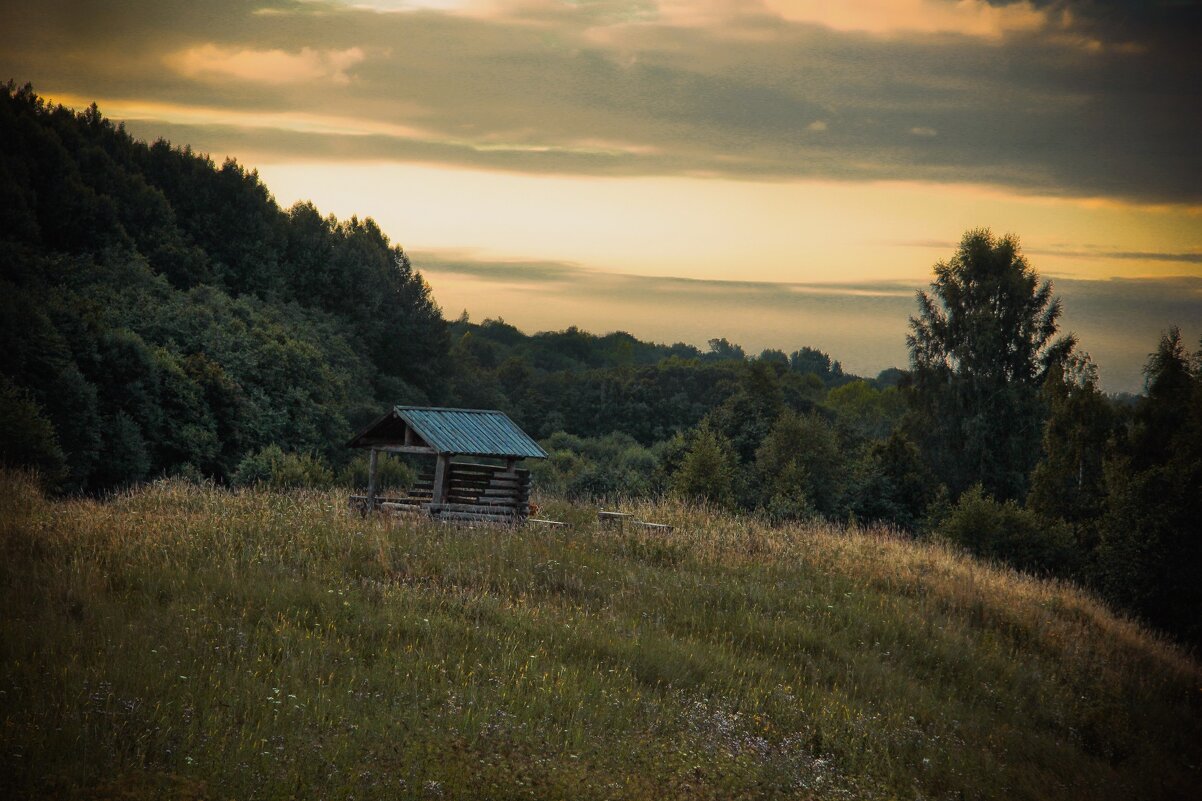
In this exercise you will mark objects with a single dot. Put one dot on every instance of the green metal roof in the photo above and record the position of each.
(468, 432)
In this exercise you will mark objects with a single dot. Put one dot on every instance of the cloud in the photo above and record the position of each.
(191, 116)
(307, 65)
(464, 263)
(891, 17)
(1188, 257)
(1183, 257)
(711, 89)
(576, 278)
(411, 5)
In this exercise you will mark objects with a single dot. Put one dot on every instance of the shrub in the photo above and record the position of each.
(893, 484)
(27, 437)
(707, 472)
(611, 466)
(800, 467)
(275, 468)
(1007, 532)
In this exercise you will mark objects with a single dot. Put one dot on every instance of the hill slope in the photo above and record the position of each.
(192, 642)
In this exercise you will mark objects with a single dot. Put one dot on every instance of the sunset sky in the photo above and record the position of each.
(777, 172)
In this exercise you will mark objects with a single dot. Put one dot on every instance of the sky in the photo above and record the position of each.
(776, 172)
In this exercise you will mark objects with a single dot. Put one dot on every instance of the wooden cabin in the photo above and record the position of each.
(453, 489)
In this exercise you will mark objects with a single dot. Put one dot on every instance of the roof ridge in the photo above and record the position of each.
(447, 409)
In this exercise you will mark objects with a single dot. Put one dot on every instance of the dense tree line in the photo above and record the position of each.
(161, 315)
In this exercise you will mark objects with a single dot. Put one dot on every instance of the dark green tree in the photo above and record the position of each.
(774, 356)
(1069, 483)
(894, 485)
(165, 317)
(747, 416)
(1149, 557)
(709, 471)
(867, 411)
(980, 347)
(812, 360)
(721, 348)
(27, 437)
(800, 467)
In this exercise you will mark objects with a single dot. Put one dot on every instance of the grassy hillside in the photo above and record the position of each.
(189, 642)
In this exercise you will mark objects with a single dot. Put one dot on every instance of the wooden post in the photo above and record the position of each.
(441, 476)
(373, 463)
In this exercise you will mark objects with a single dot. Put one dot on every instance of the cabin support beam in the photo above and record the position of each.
(373, 463)
(441, 475)
(418, 449)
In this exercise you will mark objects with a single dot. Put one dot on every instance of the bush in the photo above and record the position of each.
(800, 467)
(587, 468)
(272, 467)
(893, 484)
(1009, 533)
(27, 437)
(707, 472)
(552, 475)
(868, 411)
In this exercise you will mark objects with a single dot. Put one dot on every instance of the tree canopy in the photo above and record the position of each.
(980, 346)
(162, 314)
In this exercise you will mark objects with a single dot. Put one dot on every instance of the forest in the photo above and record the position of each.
(162, 316)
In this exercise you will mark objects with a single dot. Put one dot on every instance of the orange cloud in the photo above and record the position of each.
(966, 17)
(266, 66)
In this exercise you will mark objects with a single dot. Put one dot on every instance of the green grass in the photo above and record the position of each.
(184, 642)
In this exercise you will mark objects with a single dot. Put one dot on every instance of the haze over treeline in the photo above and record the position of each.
(162, 316)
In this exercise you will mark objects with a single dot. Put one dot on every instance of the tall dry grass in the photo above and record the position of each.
(183, 641)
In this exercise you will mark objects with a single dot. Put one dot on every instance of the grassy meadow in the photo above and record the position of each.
(180, 641)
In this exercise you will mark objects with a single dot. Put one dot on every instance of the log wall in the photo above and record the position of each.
(488, 493)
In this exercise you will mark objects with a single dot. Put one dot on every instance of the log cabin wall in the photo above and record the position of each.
(489, 493)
